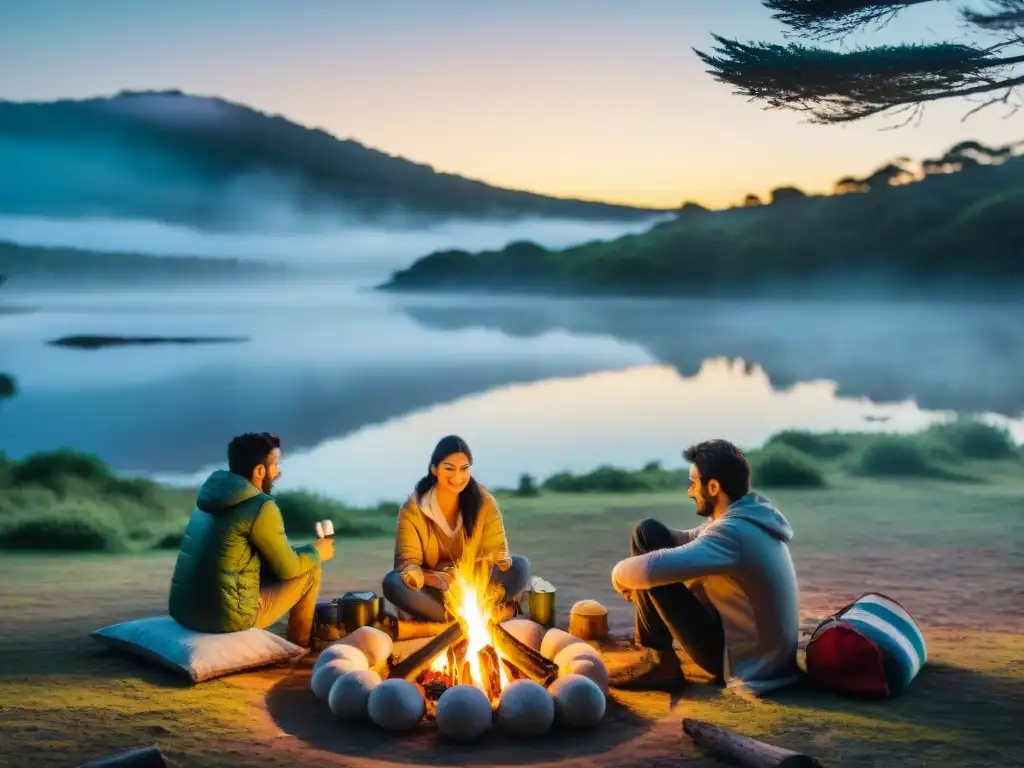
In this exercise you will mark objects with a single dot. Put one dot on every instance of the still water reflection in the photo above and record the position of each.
(624, 418)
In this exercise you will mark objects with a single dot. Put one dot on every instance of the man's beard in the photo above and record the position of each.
(705, 507)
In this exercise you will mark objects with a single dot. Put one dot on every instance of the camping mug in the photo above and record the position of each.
(327, 613)
(542, 607)
(358, 609)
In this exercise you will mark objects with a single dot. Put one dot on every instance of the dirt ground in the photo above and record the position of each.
(950, 554)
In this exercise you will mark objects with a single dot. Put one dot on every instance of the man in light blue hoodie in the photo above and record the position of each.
(725, 591)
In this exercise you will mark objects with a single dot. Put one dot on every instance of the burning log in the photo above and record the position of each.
(513, 670)
(409, 667)
(490, 671)
(417, 630)
(742, 750)
(523, 657)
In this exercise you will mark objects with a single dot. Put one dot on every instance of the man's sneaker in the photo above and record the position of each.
(653, 671)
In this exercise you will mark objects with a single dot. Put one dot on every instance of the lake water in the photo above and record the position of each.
(361, 385)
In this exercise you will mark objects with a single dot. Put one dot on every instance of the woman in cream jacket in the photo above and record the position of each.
(448, 515)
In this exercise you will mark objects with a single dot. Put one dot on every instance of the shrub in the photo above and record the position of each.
(782, 466)
(527, 487)
(973, 439)
(816, 445)
(900, 456)
(61, 529)
(604, 479)
(51, 469)
(170, 540)
(301, 510)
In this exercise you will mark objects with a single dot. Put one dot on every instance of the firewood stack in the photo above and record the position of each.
(519, 659)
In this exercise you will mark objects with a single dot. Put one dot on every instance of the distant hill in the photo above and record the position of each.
(951, 231)
(22, 264)
(209, 162)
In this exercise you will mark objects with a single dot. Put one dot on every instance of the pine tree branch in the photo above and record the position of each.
(829, 19)
(844, 86)
(1005, 15)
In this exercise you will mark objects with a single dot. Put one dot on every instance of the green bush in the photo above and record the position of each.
(900, 456)
(604, 479)
(817, 445)
(527, 487)
(782, 466)
(973, 439)
(68, 527)
(52, 468)
(301, 510)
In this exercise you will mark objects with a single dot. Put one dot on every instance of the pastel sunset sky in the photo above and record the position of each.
(600, 99)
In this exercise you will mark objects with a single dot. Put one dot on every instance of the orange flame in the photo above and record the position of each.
(473, 601)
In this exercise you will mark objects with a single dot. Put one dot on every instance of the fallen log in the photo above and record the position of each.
(523, 657)
(140, 757)
(409, 667)
(743, 750)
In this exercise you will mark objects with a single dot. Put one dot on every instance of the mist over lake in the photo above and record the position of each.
(360, 384)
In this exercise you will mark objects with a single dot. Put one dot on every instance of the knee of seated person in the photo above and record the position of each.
(392, 585)
(517, 576)
(645, 536)
(520, 568)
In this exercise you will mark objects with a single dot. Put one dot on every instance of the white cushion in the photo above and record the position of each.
(198, 656)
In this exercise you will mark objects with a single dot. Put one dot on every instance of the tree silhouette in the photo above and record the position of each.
(787, 195)
(751, 201)
(849, 185)
(842, 86)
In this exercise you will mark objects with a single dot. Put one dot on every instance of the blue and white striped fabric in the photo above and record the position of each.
(886, 623)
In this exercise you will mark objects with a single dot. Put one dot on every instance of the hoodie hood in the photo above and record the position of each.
(427, 505)
(223, 491)
(760, 511)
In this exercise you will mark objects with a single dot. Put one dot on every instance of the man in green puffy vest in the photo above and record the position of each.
(236, 569)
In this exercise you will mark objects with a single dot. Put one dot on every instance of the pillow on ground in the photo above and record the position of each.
(198, 656)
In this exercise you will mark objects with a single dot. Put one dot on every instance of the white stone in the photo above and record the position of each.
(525, 631)
(578, 701)
(526, 708)
(463, 713)
(324, 677)
(578, 650)
(374, 643)
(350, 692)
(554, 641)
(339, 651)
(396, 705)
(590, 668)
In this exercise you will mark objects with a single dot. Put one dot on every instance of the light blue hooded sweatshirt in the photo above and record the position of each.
(741, 563)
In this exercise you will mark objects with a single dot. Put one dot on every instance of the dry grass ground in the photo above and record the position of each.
(949, 552)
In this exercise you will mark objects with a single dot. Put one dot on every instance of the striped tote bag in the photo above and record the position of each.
(872, 647)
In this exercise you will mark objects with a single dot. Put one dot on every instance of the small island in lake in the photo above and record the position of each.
(99, 341)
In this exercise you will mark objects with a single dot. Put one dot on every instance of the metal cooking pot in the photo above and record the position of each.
(358, 609)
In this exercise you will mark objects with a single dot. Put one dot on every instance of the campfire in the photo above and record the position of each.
(478, 671)
(475, 649)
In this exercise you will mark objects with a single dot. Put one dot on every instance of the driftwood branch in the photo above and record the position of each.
(523, 657)
(409, 667)
(140, 757)
(742, 750)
